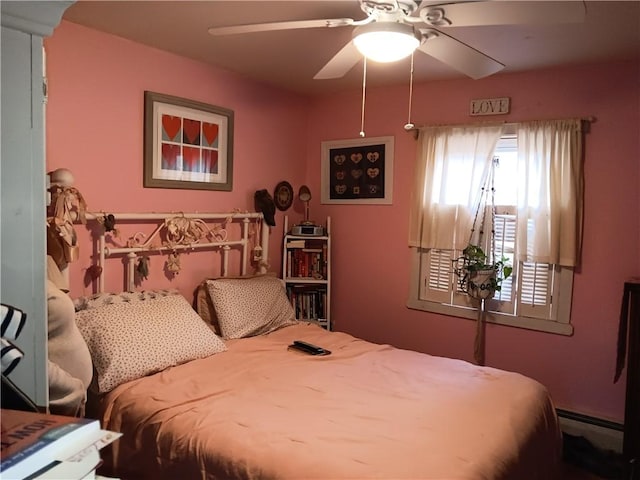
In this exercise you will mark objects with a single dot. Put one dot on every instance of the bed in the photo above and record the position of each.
(215, 392)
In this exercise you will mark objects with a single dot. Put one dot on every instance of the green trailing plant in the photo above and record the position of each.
(474, 260)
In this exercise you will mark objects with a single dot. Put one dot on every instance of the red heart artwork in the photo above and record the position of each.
(191, 159)
(210, 161)
(170, 155)
(210, 131)
(191, 131)
(170, 127)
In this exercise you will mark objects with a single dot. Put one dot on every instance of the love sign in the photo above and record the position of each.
(489, 106)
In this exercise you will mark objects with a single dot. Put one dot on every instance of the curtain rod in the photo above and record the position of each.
(414, 130)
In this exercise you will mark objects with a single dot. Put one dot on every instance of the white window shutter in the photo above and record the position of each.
(436, 275)
(535, 290)
(505, 240)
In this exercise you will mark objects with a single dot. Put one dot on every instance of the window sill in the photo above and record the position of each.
(548, 326)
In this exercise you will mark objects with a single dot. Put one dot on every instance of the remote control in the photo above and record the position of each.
(309, 348)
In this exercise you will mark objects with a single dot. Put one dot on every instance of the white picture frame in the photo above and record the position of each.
(187, 144)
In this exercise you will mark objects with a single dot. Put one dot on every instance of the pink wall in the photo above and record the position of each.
(94, 127)
(371, 257)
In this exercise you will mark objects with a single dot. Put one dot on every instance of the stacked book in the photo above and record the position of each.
(309, 303)
(40, 446)
(306, 259)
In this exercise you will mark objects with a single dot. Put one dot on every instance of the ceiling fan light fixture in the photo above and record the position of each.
(385, 41)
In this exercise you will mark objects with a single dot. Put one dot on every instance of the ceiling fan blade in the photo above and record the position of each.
(458, 55)
(500, 12)
(265, 27)
(340, 64)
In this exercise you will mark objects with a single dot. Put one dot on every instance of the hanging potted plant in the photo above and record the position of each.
(479, 277)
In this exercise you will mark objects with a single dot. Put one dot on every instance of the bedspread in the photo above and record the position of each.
(261, 411)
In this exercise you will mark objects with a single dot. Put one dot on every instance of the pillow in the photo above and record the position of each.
(101, 299)
(129, 340)
(204, 306)
(250, 306)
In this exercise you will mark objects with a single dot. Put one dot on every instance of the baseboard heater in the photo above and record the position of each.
(602, 433)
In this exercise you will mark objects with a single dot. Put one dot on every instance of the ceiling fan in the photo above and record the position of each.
(394, 29)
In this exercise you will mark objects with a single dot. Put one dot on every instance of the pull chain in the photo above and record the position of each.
(364, 87)
(409, 125)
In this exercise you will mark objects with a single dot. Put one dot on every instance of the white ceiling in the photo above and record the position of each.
(289, 59)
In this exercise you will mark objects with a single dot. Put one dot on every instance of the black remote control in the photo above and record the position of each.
(309, 348)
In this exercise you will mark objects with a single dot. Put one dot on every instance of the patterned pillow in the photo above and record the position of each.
(250, 306)
(102, 299)
(130, 340)
(204, 306)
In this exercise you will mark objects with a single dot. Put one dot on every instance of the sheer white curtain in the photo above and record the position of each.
(550, 191)
(452, 165)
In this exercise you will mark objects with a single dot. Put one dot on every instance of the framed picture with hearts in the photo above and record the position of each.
(187, 144)
(357, 171)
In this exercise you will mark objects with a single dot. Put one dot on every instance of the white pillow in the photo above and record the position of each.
(250, 306)
(130, 340)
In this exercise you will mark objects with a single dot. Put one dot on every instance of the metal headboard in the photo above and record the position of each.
(171, 233)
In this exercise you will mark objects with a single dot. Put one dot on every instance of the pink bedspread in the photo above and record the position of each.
(260, 411)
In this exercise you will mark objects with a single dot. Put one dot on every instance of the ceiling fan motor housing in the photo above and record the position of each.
(403, 7)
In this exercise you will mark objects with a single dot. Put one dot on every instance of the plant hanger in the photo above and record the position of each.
(479, 273)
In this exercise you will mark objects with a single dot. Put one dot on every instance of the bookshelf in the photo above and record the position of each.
(306, 271)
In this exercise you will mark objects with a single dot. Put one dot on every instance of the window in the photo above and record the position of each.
(538, 293)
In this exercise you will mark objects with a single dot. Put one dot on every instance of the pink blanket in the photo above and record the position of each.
(261, 411)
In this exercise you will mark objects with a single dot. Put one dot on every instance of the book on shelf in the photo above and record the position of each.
(309, 303)
(308, 263)
(41, 446)
(296, 243)
(310, 243)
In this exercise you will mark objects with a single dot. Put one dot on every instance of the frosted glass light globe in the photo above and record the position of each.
(385, 41)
